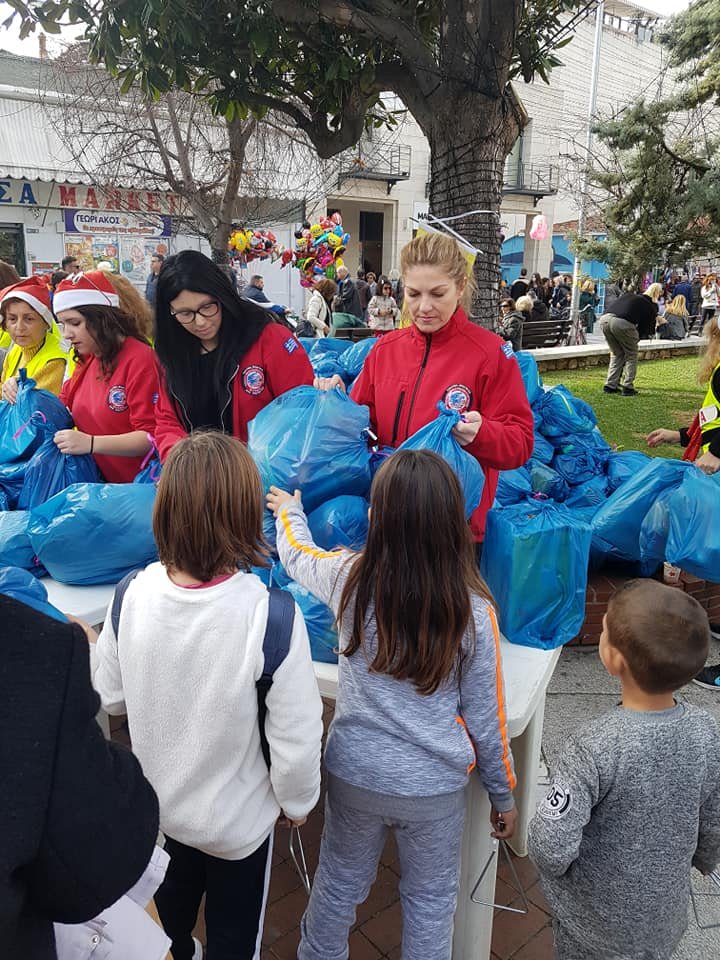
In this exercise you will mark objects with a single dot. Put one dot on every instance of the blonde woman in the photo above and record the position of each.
(710, 293)
(588, 302)
(673, 324)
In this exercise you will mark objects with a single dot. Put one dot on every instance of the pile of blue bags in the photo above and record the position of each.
(579, 505)
(331, 355)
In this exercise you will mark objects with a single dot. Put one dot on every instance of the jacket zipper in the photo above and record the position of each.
(229, 399)
(188, 421)
(396, 423)
(428, 344)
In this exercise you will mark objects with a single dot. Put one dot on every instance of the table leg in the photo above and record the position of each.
(473, 923)
(526, 753)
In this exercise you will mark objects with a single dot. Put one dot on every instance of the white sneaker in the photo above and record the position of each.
(198, 952)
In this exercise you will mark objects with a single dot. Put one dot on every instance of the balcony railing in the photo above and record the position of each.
(530, 179)
(373, 161)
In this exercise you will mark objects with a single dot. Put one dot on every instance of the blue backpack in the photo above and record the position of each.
(276, 643)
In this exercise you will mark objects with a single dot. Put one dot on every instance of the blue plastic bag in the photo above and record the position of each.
(25, 424)
(513, 486)
(307, 343)
(328, 346)
(437, 436)
(543, 450)
(17, 583)
(622, 466)
(535, 561)
(50, 471)
(562, 413)
(95, 532)
(353, 359)
(591, 493)
(341, 522)
(578, 463)
(150, 468)
(655, 529)
(378, 457)
(4, 502)
(320, 623)
(530, 374)
(547, 481)
(15, 547)
(693, 542)
(12, 477)
(617, 524)
(328, 366)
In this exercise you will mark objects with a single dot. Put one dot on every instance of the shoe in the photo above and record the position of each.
(608, 389)
(709, 678)
(715, 630)
(198, 951)
(629, 392)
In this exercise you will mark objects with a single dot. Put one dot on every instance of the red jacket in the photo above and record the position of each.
(274, 364)
(469, 368)
(121, 403)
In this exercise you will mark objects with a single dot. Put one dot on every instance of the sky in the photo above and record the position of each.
(9, 39)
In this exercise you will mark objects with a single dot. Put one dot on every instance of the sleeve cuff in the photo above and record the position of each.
(684, 439)
(503, 802)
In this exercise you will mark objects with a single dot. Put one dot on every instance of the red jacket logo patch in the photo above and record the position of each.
(117, 398)
(253, 380)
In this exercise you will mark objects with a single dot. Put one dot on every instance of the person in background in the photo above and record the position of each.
(371, 280)
(79, 819)
(8, 276)
(397, 287)
(510, 324)
(26, 317)
(156, 261)
(536, 287)
(55, 278)
(184, 664)
(521, 286)
(613, 854)
(383, 311)
(255, 290)
(363, 289)
(710, 293)
(673, 324)
(221, 357)
(696, 298)
(561, 294)
(683, 288)
(70, 265)
(420, 702)
(319, 308)
(347, 295)
(113, 391)
(632, 319)
(588, 301)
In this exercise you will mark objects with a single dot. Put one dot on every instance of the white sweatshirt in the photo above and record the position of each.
(184, 670)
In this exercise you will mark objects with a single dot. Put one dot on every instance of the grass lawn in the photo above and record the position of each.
(669, 396)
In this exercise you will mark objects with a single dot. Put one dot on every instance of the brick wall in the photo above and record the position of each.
(601, 587)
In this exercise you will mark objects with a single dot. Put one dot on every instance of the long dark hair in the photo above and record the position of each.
(178, 349)
(109, 326)
(418, 570)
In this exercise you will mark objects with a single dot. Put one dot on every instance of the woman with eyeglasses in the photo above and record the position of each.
(222, 358)
(111, 395)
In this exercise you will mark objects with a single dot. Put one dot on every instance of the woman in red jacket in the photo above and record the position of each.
(112, 392)
(444, 357)
(222, 358)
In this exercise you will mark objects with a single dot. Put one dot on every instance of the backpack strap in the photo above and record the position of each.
(118, 597)
(276, 645)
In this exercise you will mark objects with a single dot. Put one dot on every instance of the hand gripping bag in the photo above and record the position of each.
(17, 583)
(622, 466)
(535, 561)
(341, 522)
(513, 487)
(25, 424)
(617, 524)
(437, 436)
(15, 547)
(694, 513)
(563, 413)
(530, 374)
(353, 359)
(49, 472)
(95, 532)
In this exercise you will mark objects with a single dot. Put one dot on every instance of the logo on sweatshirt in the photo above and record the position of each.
(556, 804)
(117, 398)
(253, 380)
(458, 397)
(291, 345)
(507, 349)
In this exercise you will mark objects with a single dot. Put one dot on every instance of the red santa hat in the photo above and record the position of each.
(34, 292)
(85, 290)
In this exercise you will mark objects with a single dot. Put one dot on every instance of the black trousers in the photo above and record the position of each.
(235, 893)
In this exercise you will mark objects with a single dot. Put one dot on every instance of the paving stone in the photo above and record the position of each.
(511, 931)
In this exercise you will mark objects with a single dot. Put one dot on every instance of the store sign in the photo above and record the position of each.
(36, 193)
(123, 224)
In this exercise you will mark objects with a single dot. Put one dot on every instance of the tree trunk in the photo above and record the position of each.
(469, 142)
(219, 244)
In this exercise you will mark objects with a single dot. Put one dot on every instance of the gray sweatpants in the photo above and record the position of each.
(428, 832)
(622, 338)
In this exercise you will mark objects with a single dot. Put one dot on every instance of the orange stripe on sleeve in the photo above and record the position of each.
(502, 714)
(313, 551)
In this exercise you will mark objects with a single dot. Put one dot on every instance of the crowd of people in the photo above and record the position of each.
(421, 702)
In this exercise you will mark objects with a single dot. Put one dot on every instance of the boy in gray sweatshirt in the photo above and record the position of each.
(635, 802)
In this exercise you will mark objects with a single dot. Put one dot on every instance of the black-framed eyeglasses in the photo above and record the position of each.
(207, 310)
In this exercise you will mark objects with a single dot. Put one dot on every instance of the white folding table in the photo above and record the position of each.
(527, 673)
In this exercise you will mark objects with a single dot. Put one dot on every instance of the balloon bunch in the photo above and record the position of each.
(318, 249)
(248, 245)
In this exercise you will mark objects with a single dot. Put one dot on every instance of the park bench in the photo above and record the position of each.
(354, 333)
(545, 333)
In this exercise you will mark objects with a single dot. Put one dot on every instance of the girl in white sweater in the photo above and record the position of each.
(183, 667)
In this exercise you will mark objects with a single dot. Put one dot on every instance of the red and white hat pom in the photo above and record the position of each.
(85, 290)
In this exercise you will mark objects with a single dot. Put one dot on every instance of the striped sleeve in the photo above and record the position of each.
(484, 711)
(319, 571)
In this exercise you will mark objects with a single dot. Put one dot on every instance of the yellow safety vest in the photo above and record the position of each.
(50, 350)
(710, 413)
